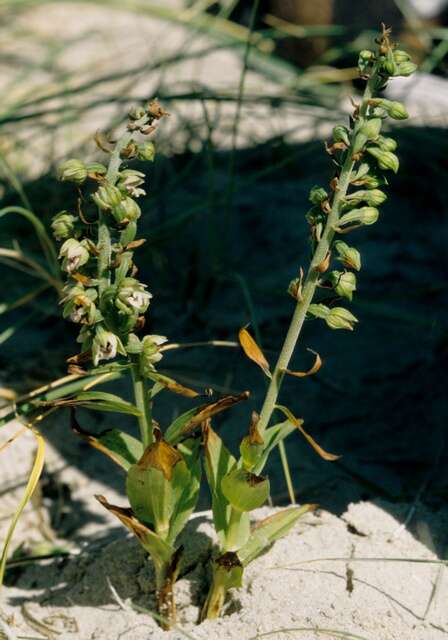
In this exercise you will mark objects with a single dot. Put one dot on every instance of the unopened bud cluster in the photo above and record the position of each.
(368, 154)
(108, 313)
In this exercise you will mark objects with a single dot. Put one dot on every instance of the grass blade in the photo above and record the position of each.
(29, 490)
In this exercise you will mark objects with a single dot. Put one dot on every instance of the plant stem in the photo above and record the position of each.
(166, 605)
(142, 403)
(312, 277)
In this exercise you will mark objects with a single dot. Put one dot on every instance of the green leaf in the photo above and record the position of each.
(187, 493)
(121, 447)
(188, 421)
(218, 462)
(269, 530)
(174, 431)
(33, 479)
(102, 401)
(160, 551)
(273, 436)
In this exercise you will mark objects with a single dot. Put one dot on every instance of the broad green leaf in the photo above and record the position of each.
(102, 401)
(269, 530)
(121, 447)
(151, 483)
(273, 436)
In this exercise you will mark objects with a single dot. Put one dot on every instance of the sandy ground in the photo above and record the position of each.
(312, 582)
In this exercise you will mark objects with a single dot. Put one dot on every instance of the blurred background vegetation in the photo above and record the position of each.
(253, 88)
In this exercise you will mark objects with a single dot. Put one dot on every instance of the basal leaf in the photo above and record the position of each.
(267, 531)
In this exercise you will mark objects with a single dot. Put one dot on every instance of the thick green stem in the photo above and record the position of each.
(233, 530)
(166, 605)
(143, 404)
(312, 277)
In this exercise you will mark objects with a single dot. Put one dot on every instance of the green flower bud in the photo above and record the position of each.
(317, 195)
(389, 65)
(340, 318)
(341, 134)
(74, 254)
(96, 168)
(397, 111)
(63, 225)
(394, 109)
(107, 197)
(387, 160)
(72, 171)
(359, 142)
(366, 56)
(127, 211)
(387, 144)
(371, 128)
(401, 56)
(364, 60)
(344, 283)
(128, 234)
(104, 346)
(244, 490)
(372, 182)
(146, 151)
(150, 353)
(136, 113)
(319, 310)
(364, 215)
(406, 69)
(132, 294)
(373, 197)
(349, 256)
(133, 344)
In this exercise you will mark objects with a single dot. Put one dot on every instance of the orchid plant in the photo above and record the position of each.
(105, 298)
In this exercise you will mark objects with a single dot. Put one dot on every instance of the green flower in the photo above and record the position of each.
(340, 318)
(72, 171)
(79, 305)
(107, 197)
(344, 283)
(387, 160)
(104, 346)
(74, 254)
(133, 295)
(127, 211)
(150, 353)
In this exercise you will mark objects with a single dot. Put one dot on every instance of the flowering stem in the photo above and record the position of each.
(312, 277)
(143, 404)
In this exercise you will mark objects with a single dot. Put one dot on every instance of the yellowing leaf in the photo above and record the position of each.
(253, 351)
(314, 369)
(33, 479)
(298, 423)
(173, 385)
